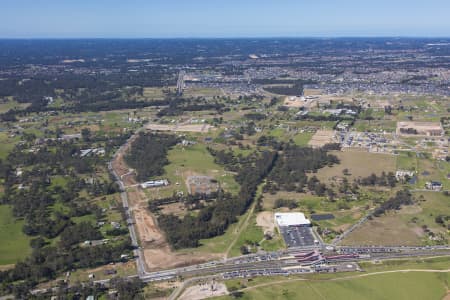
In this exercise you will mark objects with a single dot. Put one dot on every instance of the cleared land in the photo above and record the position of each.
(359, 164)
(321, 138)
(15, 244)
(266, 221)
(203, 291)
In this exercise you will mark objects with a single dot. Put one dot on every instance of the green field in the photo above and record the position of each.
(401, 285)
(6, 144)
(302, 139)
(252, 234)
(15, 244)
(192, 160)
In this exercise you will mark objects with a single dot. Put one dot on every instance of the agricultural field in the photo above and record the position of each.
(15, 244)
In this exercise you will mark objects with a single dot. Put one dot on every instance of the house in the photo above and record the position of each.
(401, 174)
(433, 185)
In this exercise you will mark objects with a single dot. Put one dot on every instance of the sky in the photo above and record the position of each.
(222, 18)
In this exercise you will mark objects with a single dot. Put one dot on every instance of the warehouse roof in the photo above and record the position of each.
(291, 219)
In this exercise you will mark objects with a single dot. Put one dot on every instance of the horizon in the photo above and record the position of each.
(226, 37)
(26, 19)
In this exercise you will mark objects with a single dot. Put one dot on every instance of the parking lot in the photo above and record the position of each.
(297, 236)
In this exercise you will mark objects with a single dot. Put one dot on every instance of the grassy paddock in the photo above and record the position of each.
(15, 244)
(195, 160)
(411, 285)
(359, 164)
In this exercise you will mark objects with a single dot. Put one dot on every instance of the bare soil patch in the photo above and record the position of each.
(321, 138)
(204, 291)
(266, 221)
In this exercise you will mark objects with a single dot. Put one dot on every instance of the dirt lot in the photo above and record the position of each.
(321, 138)
(203, 291)
(201, 184)
(291, 101)
(266, 220)
(180, 128)
(157, 252)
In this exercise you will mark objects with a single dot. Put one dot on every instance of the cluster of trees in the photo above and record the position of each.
(289, 173)
(402, 197)
(386, 179)
(191, 201)
(289, 203)
(148, 154)
(47, 262)
(295, 89)
(255, 116)
(215, 218)
(269, 141)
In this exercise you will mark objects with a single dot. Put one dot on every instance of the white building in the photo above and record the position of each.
(291, 219)
(401, 174)
(154, 183)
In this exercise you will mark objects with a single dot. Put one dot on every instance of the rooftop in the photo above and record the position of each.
(291, 219)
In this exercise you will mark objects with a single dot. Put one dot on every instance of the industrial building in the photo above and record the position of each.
(292, 219)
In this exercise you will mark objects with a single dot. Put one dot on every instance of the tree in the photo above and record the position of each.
(244, 250)
(86, 134)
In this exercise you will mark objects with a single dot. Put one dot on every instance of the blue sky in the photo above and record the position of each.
(222, 18)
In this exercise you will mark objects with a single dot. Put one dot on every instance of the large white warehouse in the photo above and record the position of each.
(291, 219)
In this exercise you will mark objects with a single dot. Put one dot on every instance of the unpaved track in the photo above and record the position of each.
(156, 251)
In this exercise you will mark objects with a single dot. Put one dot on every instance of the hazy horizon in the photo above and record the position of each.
(25, 19)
